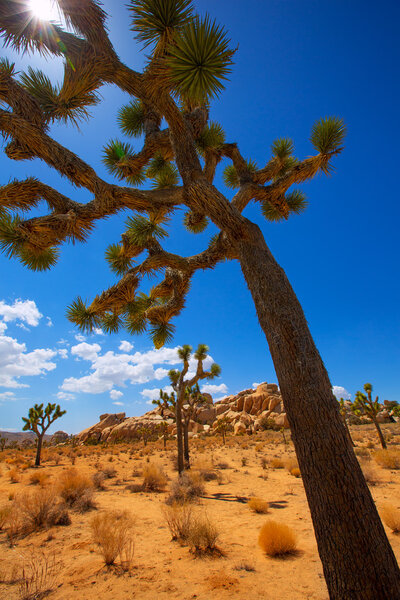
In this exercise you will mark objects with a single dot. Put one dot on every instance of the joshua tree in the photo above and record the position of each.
(39, 421)
(193, 399)
(166, 402)
(3, 442)
(189, 58)
(223, 426)
(343, 414)
(180, 384)
(364, 405)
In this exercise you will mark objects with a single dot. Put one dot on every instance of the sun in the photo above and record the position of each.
(46, 10)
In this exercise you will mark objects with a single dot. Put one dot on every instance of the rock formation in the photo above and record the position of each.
(247, 411)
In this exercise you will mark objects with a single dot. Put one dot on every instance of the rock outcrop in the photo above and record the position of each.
(247, 411)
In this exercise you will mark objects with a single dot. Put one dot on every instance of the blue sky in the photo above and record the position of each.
(296, 62)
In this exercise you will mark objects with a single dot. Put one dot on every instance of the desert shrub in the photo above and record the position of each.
(113, 532)
(389, 459)
(222, 465)
(134, 488)
(263, 462)
(206, 471)
(370, 474)
(179, 518)
(266, 423)
(4, 516)
(98, 480)
(109, 472)
(39, 576)
(32, 511)
(362, 452)
(291, 463)
(76, 490)
(277, 539)
(276, 463)
(186, 488)
(39, 478)
(258, 505)
(14, 475)
(244, 566)
(203, 535)
(244, 461)
(154, 478)
(391, 517)
(295, 472)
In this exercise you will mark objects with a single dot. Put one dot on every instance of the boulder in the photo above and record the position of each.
(239, 428)
(206, 415)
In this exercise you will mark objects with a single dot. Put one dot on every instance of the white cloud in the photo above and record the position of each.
(49, 322)
(3, 327)
(98, 331)
(255, 385)
(209, 388)
(119, 403)
(7, 396)
(21, 310)
(115, 394)
(65, 396)
(79, 337)
(341, 392)
(113, 369)
(154, 393)
(86, 351)
(16, 362)
(63, 352)
(125, 346)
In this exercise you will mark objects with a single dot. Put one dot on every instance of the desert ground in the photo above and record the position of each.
(63, 561)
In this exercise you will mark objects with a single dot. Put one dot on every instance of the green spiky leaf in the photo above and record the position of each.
(296, 201)
(153, 19)
(282, 147)
(215, 370)
(211, 138)
(11, 237)
(201, 352)
(136, 324)
(111, 322)
(271, 212)
(115, 156)
(84, 318)
(131, 118)
(166, 178)
(327, 134)
(195, 222)
(161, 333)
(199, 60)
(157, 166)
(42, 261)
(230, 175)
(7, 67)
(140, 231)
(119, 262)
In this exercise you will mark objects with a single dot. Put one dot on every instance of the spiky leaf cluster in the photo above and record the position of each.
(327, 134)
(115, 156)
(157, 166)
(195, 222)
(161, 334)
(119, 262)
(167, 177)
(282, 148)
(211, 138)
(155, 19)
(230, 175)
(111, 322)
(7, 67)
(37, 417)
(11, 237)
(41, 260)
(82, 316)
(131, 118)
(142, 231)
(199, 60)
(296, 201)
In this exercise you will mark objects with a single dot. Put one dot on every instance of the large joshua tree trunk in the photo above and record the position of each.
(179, 438)
(186, 444)
(357, 558)
(380, 434)
(38, 450)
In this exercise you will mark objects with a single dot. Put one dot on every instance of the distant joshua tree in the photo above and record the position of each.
(3, 442)
(180, 384)
(364, 406)
(39, 421)
(193, 399)
(343, 413)
(223, 426)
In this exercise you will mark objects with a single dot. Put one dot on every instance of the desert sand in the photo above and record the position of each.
(245, 467)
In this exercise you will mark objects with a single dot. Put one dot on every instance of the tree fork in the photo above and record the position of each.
(358, 561)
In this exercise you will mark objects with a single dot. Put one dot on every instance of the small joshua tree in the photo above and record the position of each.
(39, 420)
(223, 426)
(166, 402)
(180, 384)
(193, 399)
(3, 442)
(364, 405)
(343, 414)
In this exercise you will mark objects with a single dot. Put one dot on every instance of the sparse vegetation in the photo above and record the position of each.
(179, 518)
(113, 533)
(39, 420)
(391, 517)
(186, 488)
(389, 458)
(76, 490)
(154, 478)
(203, 535)
(258, 505)
(277, 539)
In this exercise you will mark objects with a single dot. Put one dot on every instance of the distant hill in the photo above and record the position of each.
(15, 436)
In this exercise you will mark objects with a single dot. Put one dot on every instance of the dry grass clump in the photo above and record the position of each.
(203, 535)
(186, 488)
(4, 516)
(39, 478)
(258, 505)
(76, 490)
(39, 509)
(113, 532)
(277, 539)
(291, 464)
(179, 518)
(362, 452)
(154, 478)
(370, 474)
(391, 517)
(389, 459)
(14, 475)
(98, 479)
(39, 576)
(276, 463)
(295, 472)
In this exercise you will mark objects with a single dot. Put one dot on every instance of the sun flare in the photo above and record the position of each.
(46, 10)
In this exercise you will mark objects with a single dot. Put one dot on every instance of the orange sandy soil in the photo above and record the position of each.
(164, 569)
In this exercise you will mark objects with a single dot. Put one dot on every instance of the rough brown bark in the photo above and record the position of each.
(179, 439)
(38, 450)
(380, 434)
(186, 444)
(357, 558)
